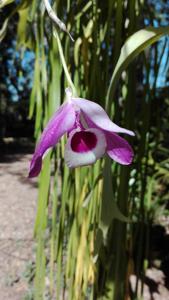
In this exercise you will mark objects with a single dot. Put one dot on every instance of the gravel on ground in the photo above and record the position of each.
(18, 196)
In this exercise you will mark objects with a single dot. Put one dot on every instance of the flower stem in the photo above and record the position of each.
(64, 62)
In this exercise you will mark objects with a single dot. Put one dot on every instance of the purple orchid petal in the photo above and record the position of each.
(84, 147)
(62, 122)
(119, 149)
(96, 116)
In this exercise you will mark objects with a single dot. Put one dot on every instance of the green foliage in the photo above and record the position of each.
(90, 221)
(134, 45)
(5, 2)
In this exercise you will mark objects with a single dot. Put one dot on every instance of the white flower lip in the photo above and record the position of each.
(75, 159)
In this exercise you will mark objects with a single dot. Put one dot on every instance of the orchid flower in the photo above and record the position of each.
(90, 132)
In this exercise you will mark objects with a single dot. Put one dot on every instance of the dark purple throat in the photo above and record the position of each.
(83, 141)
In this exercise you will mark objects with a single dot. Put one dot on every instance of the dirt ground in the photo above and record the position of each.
(18, 196)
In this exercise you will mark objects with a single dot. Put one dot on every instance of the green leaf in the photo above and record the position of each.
(109, 210)
(23, 5)
(3, 29)
(90, 194)
(134, 45)
(22, 26)
(40, 228)
(5, 2)
(77, 51)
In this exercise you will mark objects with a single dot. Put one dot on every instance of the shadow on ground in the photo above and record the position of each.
(156, 277)
(15, 150)
(10, 148)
